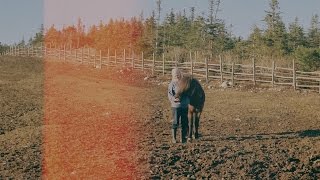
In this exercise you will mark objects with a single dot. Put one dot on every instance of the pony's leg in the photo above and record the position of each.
(196, 124)
(191, 120)
(184, 124)
(175, 123)
(194, 117)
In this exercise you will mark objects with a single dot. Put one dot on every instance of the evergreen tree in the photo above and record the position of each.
(39, 37)
(22, 42)
(256, 40)
(52, 37)
(195, 39)
(314, 32)
(148, 39)
(3, 48)
(296, 36)
(275, 34)
(309, 58)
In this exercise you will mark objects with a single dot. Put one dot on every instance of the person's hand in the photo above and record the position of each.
(176, 100)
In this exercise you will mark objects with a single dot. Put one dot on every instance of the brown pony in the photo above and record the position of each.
(191, 87)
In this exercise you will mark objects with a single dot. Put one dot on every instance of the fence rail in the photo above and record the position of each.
(206, 70)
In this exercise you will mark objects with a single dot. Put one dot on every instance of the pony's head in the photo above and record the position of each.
(191, 87)
(184, 85)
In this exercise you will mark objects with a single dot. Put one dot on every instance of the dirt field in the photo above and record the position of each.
(66, 121)
(21, 114)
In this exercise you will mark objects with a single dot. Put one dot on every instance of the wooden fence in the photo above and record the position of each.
(206, 69)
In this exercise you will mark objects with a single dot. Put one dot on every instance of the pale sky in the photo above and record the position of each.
(22, 18)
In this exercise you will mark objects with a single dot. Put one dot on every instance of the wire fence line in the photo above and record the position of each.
(206, 69)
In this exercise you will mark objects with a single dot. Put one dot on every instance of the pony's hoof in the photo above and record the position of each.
(189, 139)
(174, 141)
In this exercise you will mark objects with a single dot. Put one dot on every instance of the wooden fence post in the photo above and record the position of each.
(254, 71)
(153, 64)
(108, 57)
(221, 69)
(64, 52)
(124, 57)
(59, 50)
(89, 56)
(294, 75)
(132, 59)
(273, 68)
(76, 55)
(232, 74)
(115, 56)
(94, 59)
(163, 64)
(207, 70)
(82, 55)
(142, 61)
(191, 64)
(100, 59)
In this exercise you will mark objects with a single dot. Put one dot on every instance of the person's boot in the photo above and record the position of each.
(183, 135)
(174, 136)
(196, 135)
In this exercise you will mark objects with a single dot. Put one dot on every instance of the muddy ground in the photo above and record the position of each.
(71, 121)
(21, 114)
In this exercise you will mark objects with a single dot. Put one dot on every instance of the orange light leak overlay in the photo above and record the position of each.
(88, 133)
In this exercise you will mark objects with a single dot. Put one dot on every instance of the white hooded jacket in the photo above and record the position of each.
(173, 88)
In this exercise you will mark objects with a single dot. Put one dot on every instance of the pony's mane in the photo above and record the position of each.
(192, 88)
(184, 85)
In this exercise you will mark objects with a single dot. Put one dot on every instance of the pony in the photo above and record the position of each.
(191, 87)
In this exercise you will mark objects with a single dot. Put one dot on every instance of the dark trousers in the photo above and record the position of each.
(180, 116)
